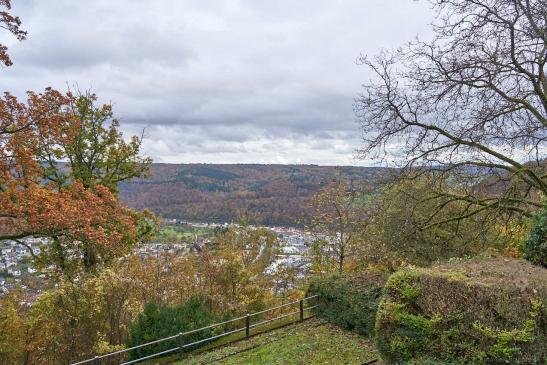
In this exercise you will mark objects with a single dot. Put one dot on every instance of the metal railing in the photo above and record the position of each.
(103, 359)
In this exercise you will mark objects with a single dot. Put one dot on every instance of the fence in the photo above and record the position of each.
(107, 358)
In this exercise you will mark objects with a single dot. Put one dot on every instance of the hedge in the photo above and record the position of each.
(478, 312)
(160, 321)
(430, 361)
(534, 248)
(349, 302)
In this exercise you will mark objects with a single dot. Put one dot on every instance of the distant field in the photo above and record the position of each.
(176, 233)
(219, 193)
(311, 342)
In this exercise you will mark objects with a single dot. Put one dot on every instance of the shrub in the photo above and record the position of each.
(395, 233)
(535, 247)
(429, 361)
(159, 321)
(478, 312)
(350, 303)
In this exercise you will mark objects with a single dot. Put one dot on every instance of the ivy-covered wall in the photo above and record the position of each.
(478, 312)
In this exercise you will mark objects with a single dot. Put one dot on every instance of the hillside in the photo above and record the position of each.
(208, 192)
(311, 342)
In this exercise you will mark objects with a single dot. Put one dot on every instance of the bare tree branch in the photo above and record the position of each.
(470, 105)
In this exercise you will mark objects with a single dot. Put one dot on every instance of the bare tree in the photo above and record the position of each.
(339, 216)
(471, 103)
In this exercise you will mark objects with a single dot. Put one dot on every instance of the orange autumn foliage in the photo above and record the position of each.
(74, 212)
(23, 126)
(13, 25)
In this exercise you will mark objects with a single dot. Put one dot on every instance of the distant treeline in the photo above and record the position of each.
(279, 194)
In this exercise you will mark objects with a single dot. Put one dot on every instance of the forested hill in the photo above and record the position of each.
(208, 192)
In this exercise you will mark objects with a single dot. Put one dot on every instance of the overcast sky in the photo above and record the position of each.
(234, 81)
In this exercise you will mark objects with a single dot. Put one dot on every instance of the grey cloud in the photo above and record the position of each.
(243, 80)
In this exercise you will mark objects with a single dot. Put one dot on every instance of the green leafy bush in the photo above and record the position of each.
(535, 247)
(350, 303)
(489, 311)
(159, 321)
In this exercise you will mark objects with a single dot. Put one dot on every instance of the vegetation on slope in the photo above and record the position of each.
(535, 246)
(477, 312)
(210, 192)
(160, 321)
(350, 303)
(311, 342)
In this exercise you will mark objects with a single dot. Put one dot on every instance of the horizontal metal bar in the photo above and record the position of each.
(274, 319)
(84, 361)
(281, 306)
(137, 347)
(214, 337)
(274, 308)
(199, 329)
(158, 341)
(315, 306)
(125, 350)
(213, 325)
(150, 356)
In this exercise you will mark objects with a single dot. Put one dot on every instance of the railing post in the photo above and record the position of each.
(247, 326)
(301, 310)
(181, 344)
(97, 360)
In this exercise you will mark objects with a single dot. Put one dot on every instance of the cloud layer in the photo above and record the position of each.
(217, 81)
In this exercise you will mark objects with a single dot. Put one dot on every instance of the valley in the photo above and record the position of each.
(277, 194)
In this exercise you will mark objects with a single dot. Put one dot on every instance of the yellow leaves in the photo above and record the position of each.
(12, 335)
(339, 215)
(513, 234)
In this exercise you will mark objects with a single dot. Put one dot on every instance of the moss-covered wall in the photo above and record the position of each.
(480, 312)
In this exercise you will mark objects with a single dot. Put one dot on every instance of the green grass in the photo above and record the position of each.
(311, 342)
(169, 359)
(173, 234)
(231, 338)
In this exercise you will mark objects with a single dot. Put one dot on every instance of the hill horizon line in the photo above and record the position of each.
(269, 164)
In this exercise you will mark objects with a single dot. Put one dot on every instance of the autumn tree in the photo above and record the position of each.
(69, 322)
(399, 232)
(92, 146)
(74, 204)
(237, 266)
(470, 104)
(12, 328)
(12, 24)
(338, 218)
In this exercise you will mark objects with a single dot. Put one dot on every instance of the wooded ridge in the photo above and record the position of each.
(211, 192)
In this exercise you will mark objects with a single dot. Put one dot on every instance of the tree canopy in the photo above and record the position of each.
(12, 24)
(471, 103)
(61, 158)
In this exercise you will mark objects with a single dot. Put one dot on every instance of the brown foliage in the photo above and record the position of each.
(218, 193)
(339, 216)
(73, 212)
(13, 25)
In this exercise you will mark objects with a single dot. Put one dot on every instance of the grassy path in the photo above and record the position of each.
(311, 342)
